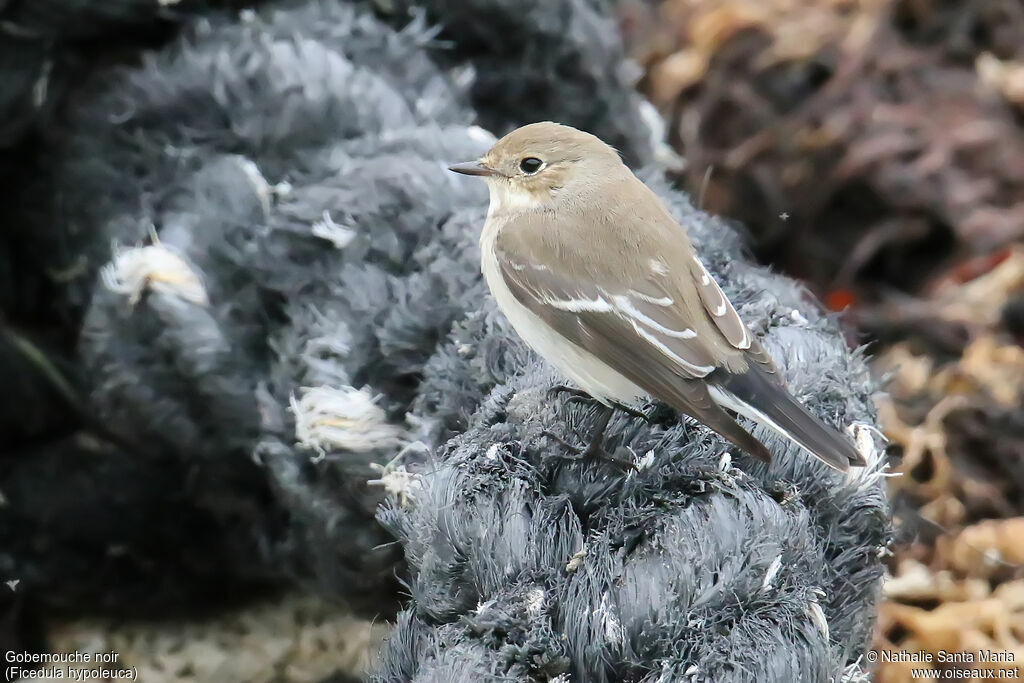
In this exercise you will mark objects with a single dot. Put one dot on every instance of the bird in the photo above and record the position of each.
(595, 274)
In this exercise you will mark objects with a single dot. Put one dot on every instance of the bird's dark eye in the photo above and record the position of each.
(530, 165)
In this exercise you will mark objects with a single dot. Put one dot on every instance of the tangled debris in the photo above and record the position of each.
(958, 576)
(48, 48)
(201, 355)
(865, 143)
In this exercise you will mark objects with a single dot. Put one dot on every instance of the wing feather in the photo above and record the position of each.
(727, 321)
(593, 316)
(719, 308)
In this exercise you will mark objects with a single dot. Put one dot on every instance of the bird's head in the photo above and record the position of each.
(538, 163)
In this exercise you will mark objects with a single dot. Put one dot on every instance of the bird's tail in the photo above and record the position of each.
(754, 395)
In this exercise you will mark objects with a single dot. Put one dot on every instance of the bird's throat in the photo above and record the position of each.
(507, 197)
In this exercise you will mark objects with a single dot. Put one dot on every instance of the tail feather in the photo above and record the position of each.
(723, 423)
(755, 396)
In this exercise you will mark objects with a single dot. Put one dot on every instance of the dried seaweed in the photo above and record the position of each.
(864, 143)
(957, 579)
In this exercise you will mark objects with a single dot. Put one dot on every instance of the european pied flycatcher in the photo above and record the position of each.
(596, 275)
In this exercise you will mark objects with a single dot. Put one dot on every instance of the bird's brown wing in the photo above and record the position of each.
(727, 321)
(605, 310)
(633, 324)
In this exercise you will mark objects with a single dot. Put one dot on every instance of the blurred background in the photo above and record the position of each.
(874, 149)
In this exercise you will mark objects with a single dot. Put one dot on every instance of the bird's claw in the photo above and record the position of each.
(577, 452)
(629, 410)
(594, 451)
(573, 392)
(580, 396)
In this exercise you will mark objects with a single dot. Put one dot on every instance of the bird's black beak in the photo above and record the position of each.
(472, 168)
